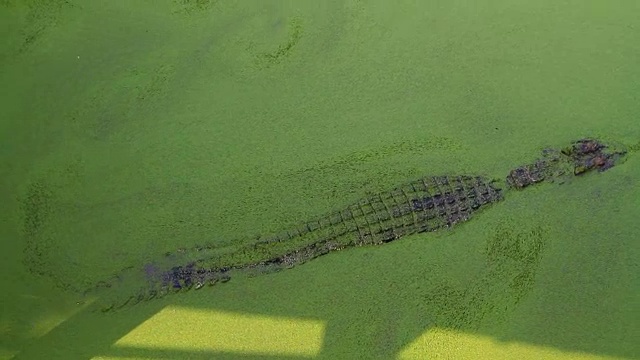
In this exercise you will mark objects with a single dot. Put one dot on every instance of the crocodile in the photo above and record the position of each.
(423, 205)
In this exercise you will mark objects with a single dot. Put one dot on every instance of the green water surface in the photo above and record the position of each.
(130, 128)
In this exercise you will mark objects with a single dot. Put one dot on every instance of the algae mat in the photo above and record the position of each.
(133, 128)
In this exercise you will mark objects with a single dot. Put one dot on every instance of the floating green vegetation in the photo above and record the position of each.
(37, 208)
(189, 6)
(520, 252)
(135, 89)
(40, 16)
(266, 60)
(40, 255)
(513, 257)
